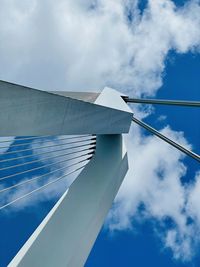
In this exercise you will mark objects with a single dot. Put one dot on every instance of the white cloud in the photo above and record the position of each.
(193, 207)
(84, 46)
(155, 171)
(76, 45)
(185, 238)
(154, 183)
(162, 118)
(5, 143)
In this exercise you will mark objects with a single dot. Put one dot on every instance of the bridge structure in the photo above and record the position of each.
(94, 122)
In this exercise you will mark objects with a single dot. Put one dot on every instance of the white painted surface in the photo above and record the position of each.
(85, 96)
(67, 235)
(26, 111)
(112, 98)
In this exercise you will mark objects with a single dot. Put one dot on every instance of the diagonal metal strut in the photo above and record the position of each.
(162, 102)
(166, 139)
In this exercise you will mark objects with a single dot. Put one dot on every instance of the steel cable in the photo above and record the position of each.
(41, 176)
(46, 152)
(41, 167)
(24, 144)
(40, 137)
(42, 147)
(167, 140)
(162, 102)
(40, 188)
(38, 160)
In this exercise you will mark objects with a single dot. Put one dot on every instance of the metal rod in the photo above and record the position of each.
(163, 102)
(18, 145)
(40, 176)
(42, 147)
(38, 160)
(41, 167)
(22, 138)
(166, 139)
(46, 152)
(39, 137)
(40, 188)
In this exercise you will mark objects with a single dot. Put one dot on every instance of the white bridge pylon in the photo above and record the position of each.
(66, 236)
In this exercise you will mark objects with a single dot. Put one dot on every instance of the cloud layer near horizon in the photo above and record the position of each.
(76, 45)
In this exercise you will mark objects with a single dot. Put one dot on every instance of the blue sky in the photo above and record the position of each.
(143, 247)
(159, 59)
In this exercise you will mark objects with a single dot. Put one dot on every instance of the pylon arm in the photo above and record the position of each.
(29, 112)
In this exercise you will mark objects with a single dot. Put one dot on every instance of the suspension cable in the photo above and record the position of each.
(40, 188)
(18, 145)
(42, 147)
(46, 158)
(41, 167)
(46, 152)
(41, 137)
(166, 139)
(22, 138)
(162, 102)
(41, 176)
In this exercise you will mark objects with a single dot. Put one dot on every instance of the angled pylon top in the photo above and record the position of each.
(27, 111)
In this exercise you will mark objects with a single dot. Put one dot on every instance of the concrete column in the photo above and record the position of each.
(67, 234)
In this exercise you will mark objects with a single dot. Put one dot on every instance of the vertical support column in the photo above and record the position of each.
(67, 234)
